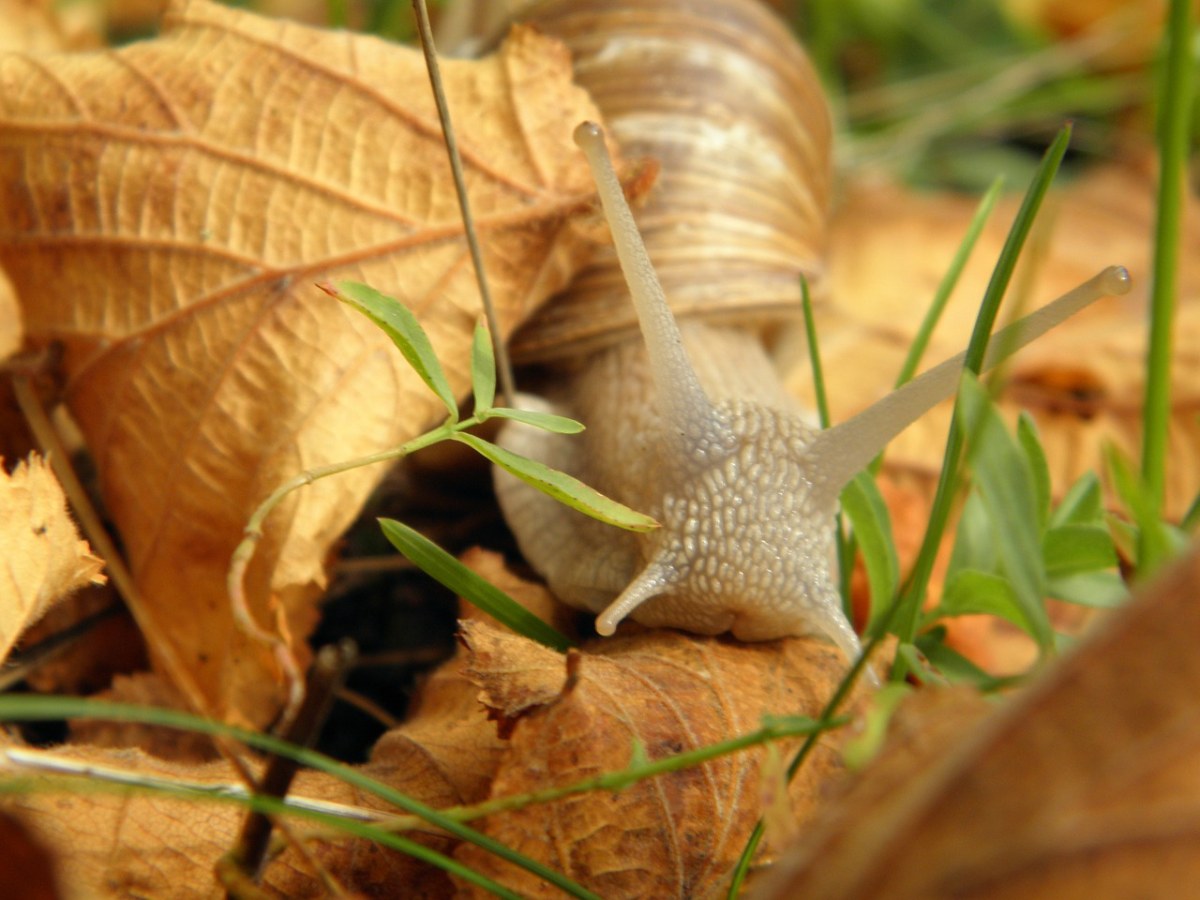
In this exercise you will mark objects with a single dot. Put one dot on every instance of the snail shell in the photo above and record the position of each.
(719, 93)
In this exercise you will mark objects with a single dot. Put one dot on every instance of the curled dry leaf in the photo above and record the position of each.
(674, 836)
(169, 206)
(1087, 784)
(43, 558)
(1083, 382)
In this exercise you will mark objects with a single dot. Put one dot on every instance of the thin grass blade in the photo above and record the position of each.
(444, 568)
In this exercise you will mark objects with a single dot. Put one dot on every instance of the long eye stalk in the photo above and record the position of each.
(844, 450)
(681, 399)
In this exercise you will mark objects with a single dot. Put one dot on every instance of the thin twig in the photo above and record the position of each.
(326, 676)
(244, 553)
(60, 461)
(503, 366)
(122, 579)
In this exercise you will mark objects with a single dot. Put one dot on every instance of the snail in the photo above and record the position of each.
(689, 421)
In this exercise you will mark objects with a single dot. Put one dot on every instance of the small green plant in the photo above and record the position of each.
(402, 327)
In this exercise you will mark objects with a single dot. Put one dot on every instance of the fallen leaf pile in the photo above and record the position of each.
(168, 207)
(561, 721)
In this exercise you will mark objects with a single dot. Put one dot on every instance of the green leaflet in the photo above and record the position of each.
(398, 322)
(561, 486)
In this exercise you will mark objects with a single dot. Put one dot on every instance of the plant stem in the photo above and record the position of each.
(327, 675)
(244, 553)
(1175, 95)
(503, 366)
(948, 480)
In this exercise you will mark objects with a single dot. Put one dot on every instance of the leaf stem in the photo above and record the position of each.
(503, 365)
(1175, 94)
(244, 553)
(773, 729)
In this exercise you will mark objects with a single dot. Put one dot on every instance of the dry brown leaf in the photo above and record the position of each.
(26, 867)
(30, 25)
(1085, 785)
(113, 846)
(447, 745)
(11, 332)
(150, 690)
(43, 557)
(675, 836)
(1083, 382)
(168, 207)
(112, 645)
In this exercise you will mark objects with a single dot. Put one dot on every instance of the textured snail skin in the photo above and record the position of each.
(746, 543)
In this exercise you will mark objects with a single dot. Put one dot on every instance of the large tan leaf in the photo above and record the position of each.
(674, 836)
(169, 206)
(1085, 785)
(43, 558)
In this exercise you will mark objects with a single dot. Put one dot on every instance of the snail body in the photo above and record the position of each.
(689, 422)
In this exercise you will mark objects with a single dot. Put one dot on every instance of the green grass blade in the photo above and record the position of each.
(956, 667)
(918, 581)
(483, 370)
(814, 354)
(1082, 504)
(543, 420)
(1102, 590)
(916, 350)
(1035, 457)
(864, 506)
(444, 568)
(1001, 473)
(561, 486)
(1174, 114)
(847, 546)
(970, 591)
(399, 324)
(1075, 549)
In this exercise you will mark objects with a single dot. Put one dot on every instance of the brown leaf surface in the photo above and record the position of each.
(43, 557)
(117, 846)
(112, 845)
(1087, 784)
(1083, 382)
(675, 836)
(30, 25)
(168, 207)
(26, 867)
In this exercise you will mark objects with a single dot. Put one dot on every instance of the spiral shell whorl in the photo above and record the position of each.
(720, 94)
